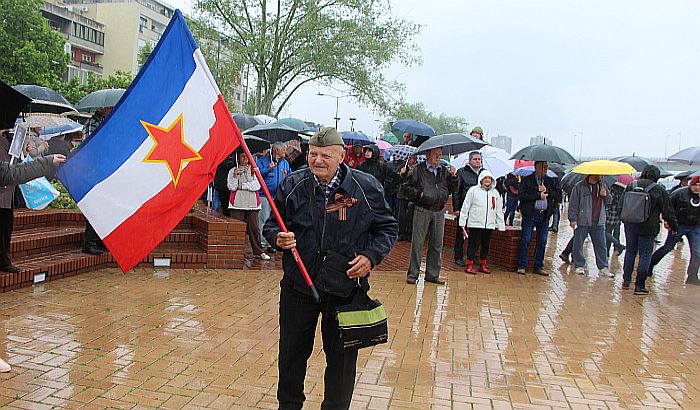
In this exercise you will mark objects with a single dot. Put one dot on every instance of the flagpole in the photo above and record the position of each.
(278, 217)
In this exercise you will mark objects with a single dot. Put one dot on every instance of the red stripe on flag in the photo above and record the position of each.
(139, 234)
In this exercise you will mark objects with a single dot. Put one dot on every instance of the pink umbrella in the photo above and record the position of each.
(519, 163)
(382, 144)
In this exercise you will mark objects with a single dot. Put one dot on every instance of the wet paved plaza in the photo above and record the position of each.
(208, 339)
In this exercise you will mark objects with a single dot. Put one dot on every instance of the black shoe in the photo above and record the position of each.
(641, 291)
(436, 281)
(460, 262)
(625, 285)
(271, 250)
(565, 258)
(92, 250)
(694, 281)
(10, 268)
(656, 241)
(540, 271)
(411, 281)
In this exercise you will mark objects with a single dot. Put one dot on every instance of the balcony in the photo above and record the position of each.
(84, 44)
(72, 16)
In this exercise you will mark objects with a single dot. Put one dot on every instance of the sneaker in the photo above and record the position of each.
(520, 270)
(460, 262)
(641, 291)
(581, 270)
(565, 258)
(605, 272)
(4, 367)
(264, 256)
(625, 285)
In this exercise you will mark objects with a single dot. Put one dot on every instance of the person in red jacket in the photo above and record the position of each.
(354, 156)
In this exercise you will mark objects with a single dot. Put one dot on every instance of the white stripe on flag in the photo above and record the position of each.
(117, 197)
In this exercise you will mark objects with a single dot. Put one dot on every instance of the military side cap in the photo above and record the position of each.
(478, 130)
(325, 137)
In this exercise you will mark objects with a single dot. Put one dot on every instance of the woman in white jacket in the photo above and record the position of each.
(481, 213)
(245, 202)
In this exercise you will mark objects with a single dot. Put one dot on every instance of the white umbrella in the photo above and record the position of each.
(266, 119)
(496, 160)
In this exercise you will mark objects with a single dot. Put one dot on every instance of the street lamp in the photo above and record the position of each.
(352, 123)
(337, 100)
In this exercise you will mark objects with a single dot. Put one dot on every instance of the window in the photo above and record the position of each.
(87, 58)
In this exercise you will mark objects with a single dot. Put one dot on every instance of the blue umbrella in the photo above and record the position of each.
(414, 127)
(525, 171)
(54, 131)
(352, 137)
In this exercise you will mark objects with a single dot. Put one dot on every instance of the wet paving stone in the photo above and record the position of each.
(208, 339)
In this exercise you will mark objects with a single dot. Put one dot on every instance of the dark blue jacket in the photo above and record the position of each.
(369, 227)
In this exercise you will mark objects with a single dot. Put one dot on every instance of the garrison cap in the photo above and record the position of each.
(325, 137)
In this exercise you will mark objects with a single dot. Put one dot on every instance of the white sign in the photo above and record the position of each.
(21, 131)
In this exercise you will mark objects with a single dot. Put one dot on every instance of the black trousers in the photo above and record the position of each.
(459, 244)
(92, 239)
(478, 238)
(224, 196)
(405, 217)
(298, 318)
(7, 222)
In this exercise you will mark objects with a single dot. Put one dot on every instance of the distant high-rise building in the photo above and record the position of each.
(539, 140)
(115, 31)
(503, 142)
(85, 39)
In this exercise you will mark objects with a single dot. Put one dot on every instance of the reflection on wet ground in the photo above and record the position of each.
(208, 339)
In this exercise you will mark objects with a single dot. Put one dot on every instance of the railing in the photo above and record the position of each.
(70, 15)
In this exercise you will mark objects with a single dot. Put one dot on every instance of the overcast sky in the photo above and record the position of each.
(624, 74)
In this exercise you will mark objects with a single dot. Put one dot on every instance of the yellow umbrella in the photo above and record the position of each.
(604, 167)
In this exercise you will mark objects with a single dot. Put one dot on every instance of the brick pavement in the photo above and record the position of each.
(208, 339)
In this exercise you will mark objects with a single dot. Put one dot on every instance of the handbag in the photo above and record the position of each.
(331, 267)
(361, 323)
(38, 193)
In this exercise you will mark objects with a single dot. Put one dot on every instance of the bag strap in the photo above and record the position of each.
(650, 187)
(314, 211)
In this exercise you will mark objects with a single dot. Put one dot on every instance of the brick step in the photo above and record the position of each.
(35, 240)
(72, 261)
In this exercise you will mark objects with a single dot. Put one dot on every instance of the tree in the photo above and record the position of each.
(74, 91)
(289, 43)
(442, 123)
(144, 53)
(225, 64)
(30, 52)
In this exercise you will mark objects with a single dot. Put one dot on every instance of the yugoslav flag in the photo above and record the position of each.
(141, 171)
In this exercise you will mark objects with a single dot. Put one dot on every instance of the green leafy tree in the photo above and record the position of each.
(145, 53)
(442, 123)
(74, 91)
(30, 51)
(224, 62)
(288, 43)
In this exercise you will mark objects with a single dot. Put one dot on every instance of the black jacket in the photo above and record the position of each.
(369, 228)
(660, 203)
(428, 190)
(686, 213)
(528, 193)
(378, 169)
(221, 176)
(466, 178)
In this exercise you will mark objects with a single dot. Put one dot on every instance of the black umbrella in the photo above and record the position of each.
(451, 144)
(274, 132)
(255, 144)
(573, 178)
(640, 162)
(245, 121)
(12, 103)
(44, 99)
(686, 174)
(544, 152)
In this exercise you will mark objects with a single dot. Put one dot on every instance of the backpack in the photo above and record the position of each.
(636, 204)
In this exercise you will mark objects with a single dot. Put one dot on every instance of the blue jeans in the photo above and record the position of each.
(693, 235)
(597, 234)
(539, 222)
(556, 217)
(643, 245)
(613, 236)
(511, 207)
(265, 211)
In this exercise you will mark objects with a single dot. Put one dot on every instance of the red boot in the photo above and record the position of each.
(470, 268)
(483, 268)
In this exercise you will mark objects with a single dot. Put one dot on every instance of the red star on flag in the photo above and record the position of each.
(170, 147)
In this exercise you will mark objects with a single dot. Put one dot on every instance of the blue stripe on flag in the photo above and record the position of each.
(149, 97)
